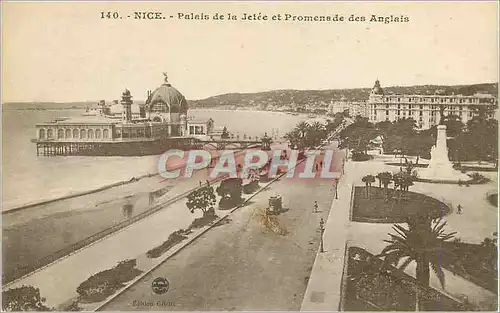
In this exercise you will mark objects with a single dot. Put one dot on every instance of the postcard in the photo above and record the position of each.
(243, 156)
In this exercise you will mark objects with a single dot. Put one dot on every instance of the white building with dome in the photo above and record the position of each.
(126, 128)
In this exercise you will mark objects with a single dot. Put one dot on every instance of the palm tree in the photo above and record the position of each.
(293, 138)
(317, 132)
(302, 130)
(385, 179)
(368, 180)
(422, 243)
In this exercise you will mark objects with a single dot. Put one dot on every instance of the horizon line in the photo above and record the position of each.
(255, 92)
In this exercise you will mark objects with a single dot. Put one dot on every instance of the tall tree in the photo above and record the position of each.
(202, 199)
(368, 180)
(302, 129)
(385, 179)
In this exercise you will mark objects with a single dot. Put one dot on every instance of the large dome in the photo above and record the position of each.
(166, 99)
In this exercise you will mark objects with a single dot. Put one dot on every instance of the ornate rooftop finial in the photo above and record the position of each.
(166, 77)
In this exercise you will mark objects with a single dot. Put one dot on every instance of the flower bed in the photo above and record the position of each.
(473, 262)
(475, 179)
(376, 209)
(369, 287)
(103, 284)
(174, 238)
(403, 164)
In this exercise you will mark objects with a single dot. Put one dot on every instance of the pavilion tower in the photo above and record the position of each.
(127, 106)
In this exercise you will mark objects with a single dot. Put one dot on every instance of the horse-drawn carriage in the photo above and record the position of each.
(275, 205)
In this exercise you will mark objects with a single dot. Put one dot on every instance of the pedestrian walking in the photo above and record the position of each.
(315, 207)
(151, 198)
(317, 167)
(459, 209)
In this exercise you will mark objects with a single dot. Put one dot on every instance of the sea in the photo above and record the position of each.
(28, 179)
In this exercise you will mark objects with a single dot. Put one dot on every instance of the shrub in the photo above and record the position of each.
(478, 178)
(208, 217)
(228, 203)
(360, 156)
(230, 190)
(73, 307)
(103, 284)
(251, 187)
(24, 298)
(173, 239)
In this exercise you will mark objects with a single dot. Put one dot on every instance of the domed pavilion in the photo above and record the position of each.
(148, 127)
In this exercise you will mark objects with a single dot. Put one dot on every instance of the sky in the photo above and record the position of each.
(65, 52)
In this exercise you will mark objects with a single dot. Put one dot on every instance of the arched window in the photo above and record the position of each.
(50, 134)
(41, 134)
(105, 134)
(91, 134)
(68, 133)
(82, 134)
(60, 134)
(75, 133)
(98, 134)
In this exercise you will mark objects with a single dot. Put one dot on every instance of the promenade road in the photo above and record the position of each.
(241, 264)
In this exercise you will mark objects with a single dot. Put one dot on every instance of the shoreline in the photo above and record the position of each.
(76, 194)
(222, 109)
(133, 179)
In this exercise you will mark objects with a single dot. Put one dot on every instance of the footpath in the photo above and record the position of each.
(323, 291)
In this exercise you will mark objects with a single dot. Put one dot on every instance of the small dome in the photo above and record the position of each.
(377, 90)
(167, 99)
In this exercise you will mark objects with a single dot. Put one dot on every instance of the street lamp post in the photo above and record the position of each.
(322, 229)
(336, 188)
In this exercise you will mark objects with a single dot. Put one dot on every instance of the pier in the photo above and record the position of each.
(144, 147)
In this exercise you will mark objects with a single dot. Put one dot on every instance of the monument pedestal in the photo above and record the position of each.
(440, 168)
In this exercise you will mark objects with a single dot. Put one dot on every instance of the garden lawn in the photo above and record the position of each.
(375, 208)
(473, 262)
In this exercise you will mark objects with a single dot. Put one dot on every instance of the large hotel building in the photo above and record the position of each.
(424, 109)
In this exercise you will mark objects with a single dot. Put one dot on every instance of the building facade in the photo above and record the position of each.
(353, 108)
(425, 109)
(146, 128)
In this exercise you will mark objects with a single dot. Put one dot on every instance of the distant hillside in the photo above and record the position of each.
(53, 105)
(47, 105)
(280, 98)
(323, 97)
